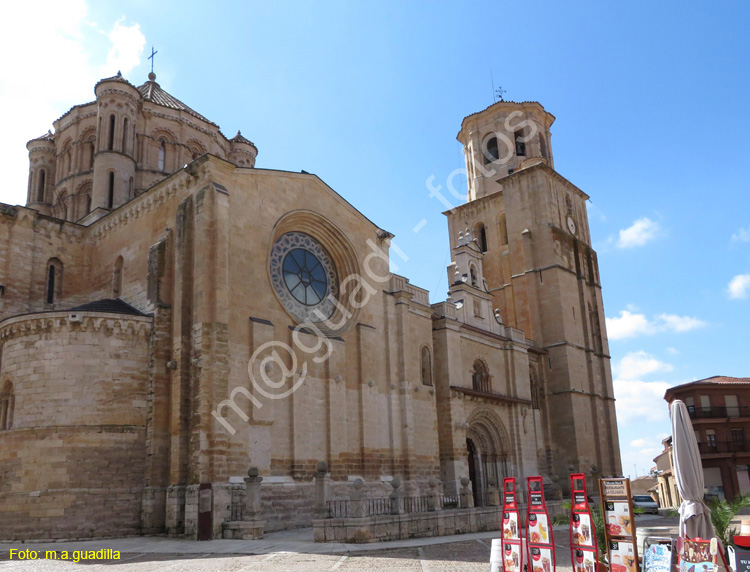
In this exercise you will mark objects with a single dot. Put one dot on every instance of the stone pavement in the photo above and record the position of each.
(286, 551)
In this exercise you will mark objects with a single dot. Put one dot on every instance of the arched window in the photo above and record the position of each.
(7, 401)
(520, 140)
(131, 188)
(54, 280)
(125, 135)
(473, 272)
(88, 203)
(480, 232)
(117, 277)
(91, 144)
(162, 154)
(542, 145)
(480, 377)
(491, 152)
(111, 195)
(426, 366)
(42, 184)
(111, 144)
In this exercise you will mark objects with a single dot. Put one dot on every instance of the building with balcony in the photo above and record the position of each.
(666, 487)
(719, 408)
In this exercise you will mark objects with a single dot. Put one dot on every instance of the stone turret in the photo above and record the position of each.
(243, 151)
(41, 172)
(114, 161)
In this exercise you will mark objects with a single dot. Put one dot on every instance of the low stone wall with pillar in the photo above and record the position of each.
(403, 526)
(251, 526)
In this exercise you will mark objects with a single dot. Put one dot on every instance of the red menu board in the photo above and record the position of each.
(512, 554)
(539, 541)
(584, 552)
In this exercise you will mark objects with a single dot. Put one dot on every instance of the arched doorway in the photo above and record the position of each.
(489, 455)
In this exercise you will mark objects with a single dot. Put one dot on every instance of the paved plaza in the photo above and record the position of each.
(288, 551)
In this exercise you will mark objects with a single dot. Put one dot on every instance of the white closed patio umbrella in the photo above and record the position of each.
(695, 516)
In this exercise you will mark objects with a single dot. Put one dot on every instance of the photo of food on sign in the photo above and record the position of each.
(582, 530)
(538, 528)
(695, 556)
(623, 557)
(510, 525)
(584, 561)
(541, 559)
(617, 517)
(512, 556)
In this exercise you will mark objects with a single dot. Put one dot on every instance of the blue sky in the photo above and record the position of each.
(650, 100)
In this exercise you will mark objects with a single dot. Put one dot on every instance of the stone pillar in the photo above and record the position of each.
(397, 501)
(493, 496)
(433, 495)
(253, 510)
(467, 498)
(251, 526)
(322, 484)
(357, 499)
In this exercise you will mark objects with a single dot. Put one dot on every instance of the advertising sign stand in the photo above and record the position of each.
(539, 541)
(619, 525)
(512, 553)
(584, 552)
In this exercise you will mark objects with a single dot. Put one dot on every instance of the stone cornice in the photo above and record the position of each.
(155, 196)
(75, 119)
(95, 322)
(491, 397)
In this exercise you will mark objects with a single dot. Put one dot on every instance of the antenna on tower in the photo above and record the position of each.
(492, 80)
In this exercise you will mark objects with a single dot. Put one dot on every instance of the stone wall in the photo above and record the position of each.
(403, 526)
(72, 464)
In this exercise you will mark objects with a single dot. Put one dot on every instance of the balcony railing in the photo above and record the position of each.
(709, 448)
(721, 412)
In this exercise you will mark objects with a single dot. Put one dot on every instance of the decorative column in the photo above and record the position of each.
(251, 526)
(397, 502)
(433, 496)
(322, 484)
(357, 499)
(467, 498)
(253, 509)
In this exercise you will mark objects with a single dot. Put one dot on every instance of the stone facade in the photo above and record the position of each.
(164, 328)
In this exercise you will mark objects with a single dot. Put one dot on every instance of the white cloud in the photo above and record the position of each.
(639, 364)
(742, 235)
(639, 233)
(673, 351)
(630, 324)
(641, 400)
(739, 287)
(127, 46)
(638, 443)
(57, 70)
(680, 323)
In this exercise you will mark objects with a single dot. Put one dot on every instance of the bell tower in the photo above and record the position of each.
(542, 275)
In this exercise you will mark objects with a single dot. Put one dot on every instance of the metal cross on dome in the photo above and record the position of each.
(151, 57)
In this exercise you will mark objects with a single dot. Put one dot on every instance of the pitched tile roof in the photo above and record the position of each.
(152, 91)
(109, 306)
(49, 136)
(240, 139)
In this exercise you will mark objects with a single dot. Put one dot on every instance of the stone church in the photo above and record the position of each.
(171, 315)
